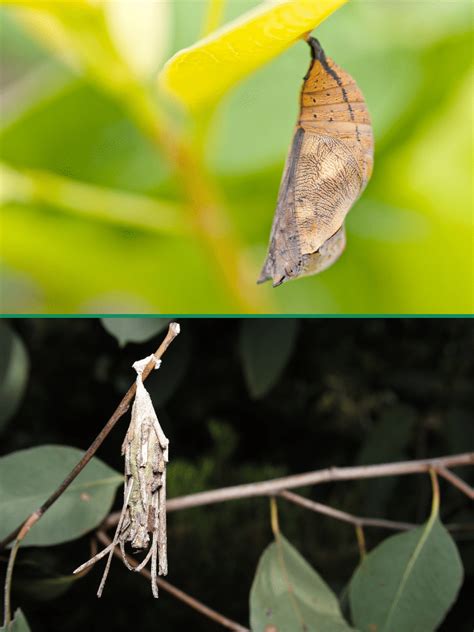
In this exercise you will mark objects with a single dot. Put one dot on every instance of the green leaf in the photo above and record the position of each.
(18, 623)
(28, 477)
(287, 594)
(201, 74)
(14, 367)
(265, 348)
(408, 582)
(126, 330)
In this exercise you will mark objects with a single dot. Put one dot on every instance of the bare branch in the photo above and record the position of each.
(276, 485)
(456, 481)
(179, 594)
(357, 521)
(121, 409)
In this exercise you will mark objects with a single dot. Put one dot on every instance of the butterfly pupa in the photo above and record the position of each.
(328, 166)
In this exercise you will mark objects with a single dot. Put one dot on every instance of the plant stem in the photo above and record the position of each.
(179, 594)
(435, 488)
(210, 223)
(121, 409)
(8, 584)
(456, 481)
(361, 541)
(82, 199)
(316, 477)
(274, 517)
(343, 515)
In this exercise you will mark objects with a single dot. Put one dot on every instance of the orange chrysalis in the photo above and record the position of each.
(328, 167)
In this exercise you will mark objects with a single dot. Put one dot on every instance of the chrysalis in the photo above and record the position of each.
(142, 521)
(328, 167)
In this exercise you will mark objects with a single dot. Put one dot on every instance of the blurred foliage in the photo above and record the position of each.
(94, 218)
(13, 372)
(351, 392)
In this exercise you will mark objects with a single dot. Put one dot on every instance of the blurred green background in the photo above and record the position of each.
(66, 247)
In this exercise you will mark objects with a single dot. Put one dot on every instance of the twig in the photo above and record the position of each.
(456, 481)
(276, 485)
(179, 594)
(121, 409)
(357, 521)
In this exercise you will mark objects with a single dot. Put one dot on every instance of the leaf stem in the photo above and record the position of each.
(361, 541)
(8, 584)
(435, 488)
(274, 517)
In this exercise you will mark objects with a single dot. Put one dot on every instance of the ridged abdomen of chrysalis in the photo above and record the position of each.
(333, 105)
(329, 164)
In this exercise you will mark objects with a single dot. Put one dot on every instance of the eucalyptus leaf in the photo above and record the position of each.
(126, 330)
(28, 477)
(288, 594)
(14, 367)
(18, 623)
(265, 348)
(408, 582)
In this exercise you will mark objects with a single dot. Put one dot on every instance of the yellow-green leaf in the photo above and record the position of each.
(201, 74)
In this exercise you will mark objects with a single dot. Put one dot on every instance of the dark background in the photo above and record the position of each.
(353, 391)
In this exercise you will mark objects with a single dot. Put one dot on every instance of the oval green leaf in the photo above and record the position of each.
(14, 366)
(28, 477)
(288, 594)
(201, 74)
(126, 330)
(17, 624)
(408, 582)
(265, 348)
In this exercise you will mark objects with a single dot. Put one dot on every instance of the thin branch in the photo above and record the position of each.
(179, 594)
(276, 485)
(357, 521)
(121, 409)
(456, 481)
